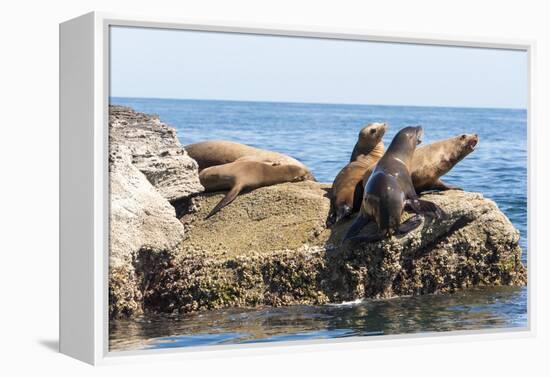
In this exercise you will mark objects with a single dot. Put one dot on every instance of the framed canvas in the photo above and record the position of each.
(234, 188)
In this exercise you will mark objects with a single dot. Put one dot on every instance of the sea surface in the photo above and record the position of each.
(322, 137)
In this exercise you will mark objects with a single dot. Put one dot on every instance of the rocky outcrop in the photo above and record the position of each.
(146, 163)
(156, 152)
(270, 246)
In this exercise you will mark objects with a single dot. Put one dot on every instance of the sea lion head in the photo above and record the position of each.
(299, 173)
(461, 146)
(405, 141)
(371, 134)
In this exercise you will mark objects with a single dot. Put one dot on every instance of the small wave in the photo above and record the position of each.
(348, 303)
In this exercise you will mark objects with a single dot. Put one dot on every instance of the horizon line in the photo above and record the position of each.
(321, 103)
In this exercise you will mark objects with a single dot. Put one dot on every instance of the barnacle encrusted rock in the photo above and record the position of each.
(270, 247)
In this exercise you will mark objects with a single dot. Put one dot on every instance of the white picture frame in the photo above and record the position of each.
(84, 96)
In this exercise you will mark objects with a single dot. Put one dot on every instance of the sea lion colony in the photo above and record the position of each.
(378, 184)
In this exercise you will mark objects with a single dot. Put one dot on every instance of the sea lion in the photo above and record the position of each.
(434, 160)
(347, 188)
(218, 152)
(365, 140)
(390, 190)
(248, 173)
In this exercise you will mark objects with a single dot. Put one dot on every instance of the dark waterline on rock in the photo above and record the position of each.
(476, 309)
(322, 136)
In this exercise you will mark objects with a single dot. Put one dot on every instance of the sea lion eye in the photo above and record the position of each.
(372, 131)
(463, 136)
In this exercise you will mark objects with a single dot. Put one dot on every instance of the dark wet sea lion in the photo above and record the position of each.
(390, 190)
(434, 160)
(347, 188)
(247, 174)
(218, 152)
(365, 139)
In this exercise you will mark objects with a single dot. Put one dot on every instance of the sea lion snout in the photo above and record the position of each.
(469, 141)
(419, 133)
(373, 131)
(474, 139)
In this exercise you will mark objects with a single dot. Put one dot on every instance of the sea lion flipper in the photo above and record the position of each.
(359, 223)
(342, 212)
(442, 186)
(410, 225)
(420, 206)
(367, 239)
(228, 198)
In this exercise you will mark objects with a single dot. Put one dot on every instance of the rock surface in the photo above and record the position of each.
(141, 217)
(156, 152)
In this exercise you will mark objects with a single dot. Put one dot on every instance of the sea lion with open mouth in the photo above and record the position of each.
(434, 160)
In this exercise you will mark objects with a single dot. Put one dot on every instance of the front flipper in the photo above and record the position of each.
(410, 225)
(342, 212)
(359, 223)
(425, 207)
(366, 239)
(229, 197)
(439, 185)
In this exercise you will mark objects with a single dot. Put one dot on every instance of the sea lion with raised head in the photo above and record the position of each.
(248, 173)
(347, 188)
(390, 190)
(365, 140)
(434, 160)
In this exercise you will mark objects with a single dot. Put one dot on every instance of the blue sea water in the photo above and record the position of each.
(322, 137)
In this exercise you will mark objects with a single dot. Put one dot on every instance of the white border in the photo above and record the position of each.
(101, 72)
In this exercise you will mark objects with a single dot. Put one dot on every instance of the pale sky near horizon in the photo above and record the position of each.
(158, 63)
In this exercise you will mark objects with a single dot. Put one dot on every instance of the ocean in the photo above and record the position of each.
(322, 137)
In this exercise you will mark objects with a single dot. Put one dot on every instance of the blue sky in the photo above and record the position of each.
(159, 63)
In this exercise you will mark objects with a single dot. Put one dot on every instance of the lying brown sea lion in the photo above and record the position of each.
(218, 152)
(246, 174)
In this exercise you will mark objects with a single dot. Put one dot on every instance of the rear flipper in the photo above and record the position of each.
(229, 197)
(359, 223)
(410, 225)
(424, 207)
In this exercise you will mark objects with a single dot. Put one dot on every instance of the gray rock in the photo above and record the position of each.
(141, 220)
(156, 152)
(147, 168)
